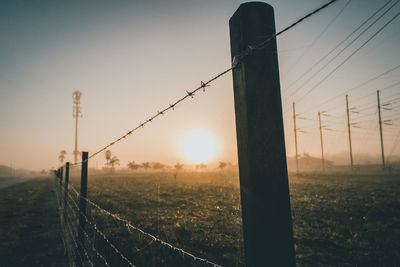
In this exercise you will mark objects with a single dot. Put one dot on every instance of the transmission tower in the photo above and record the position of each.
(76, 113)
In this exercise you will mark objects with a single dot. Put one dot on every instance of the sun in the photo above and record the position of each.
(199, 147)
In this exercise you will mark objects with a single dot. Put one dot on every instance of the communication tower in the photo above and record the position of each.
(76, 113)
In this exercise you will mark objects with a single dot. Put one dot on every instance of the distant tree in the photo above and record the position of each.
(108, 155)
(146, 165)
(114, 161)
(158, 165)
(61, 157)
(133, 166)
(177, 167)
(43, 172)
(222, 165)
(201, 166)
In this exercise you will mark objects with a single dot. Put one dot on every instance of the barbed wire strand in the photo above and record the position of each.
(65, 229)
(72, 235)
(129, 225)
(87, 237)
(93, 247)
(82, 244)
(101, 233)
(249, 50)
(76, 247)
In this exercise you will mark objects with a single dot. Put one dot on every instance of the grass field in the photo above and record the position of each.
(30, 233)
(339, 220)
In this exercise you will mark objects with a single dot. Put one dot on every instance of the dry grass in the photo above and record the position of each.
(340, 219)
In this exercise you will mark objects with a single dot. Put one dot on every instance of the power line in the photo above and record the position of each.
(319, 36)
(343, 49)
(356, 87)
(350, 56)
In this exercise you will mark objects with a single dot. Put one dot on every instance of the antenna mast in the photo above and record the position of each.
(76, 113)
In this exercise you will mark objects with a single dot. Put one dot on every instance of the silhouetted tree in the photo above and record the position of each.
(146, 165)
(158, 165)
(177, 167)
(133, 166)
(222, 165)
(201, 166)
(108, 157)
(114, 161)
(61, 157)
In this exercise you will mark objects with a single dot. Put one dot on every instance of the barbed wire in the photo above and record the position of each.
(88, 238)
(129, 225)
(102, 234)
(236, 60)
(73, 234)
(82, 245)
(69, 229)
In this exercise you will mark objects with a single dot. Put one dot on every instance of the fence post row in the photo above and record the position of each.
(66, 175)
(83, 196)
(267, 223)
(66, 189)
(61, 174)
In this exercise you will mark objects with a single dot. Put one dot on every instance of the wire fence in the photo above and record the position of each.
(95, 236)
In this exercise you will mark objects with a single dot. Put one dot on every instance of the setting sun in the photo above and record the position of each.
(199, 147)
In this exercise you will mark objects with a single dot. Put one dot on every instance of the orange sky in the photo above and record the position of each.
(131, 59)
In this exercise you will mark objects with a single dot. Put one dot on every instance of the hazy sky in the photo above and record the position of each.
(132, 58)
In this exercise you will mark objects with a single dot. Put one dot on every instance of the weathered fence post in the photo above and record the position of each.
(61, 175)
(83, 196)
(66, 175)
(267, 223)
(66, 189)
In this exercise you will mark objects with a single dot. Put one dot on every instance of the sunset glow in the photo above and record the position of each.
(199, 147)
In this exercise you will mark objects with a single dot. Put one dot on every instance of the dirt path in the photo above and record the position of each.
(30, 233)
(7, 182)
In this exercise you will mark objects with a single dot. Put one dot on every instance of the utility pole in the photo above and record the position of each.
(322, 143)
(295, 138)
(380, 128)
(349, 131)
(76, 95)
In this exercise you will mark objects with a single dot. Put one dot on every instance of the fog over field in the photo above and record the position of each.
(200, 133)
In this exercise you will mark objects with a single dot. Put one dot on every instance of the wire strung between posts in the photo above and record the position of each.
(128, 225)
(100, 233)
(88, 238)
(72, 234)
(252, 48)
(86, 234)
(248, 51)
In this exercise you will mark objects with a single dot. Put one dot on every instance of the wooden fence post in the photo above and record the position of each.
(83, 196)
(267, 223)
(66, 175)
(66, 189)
